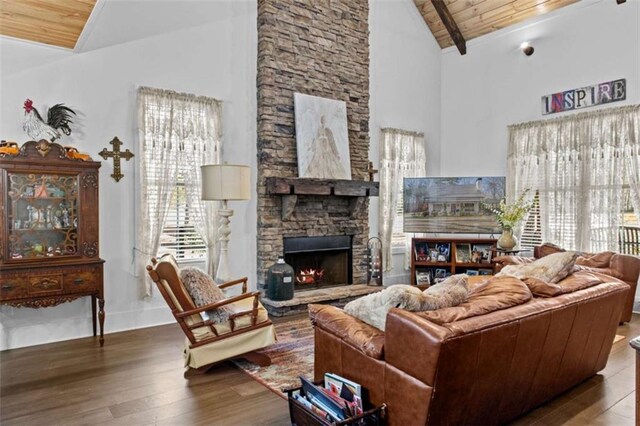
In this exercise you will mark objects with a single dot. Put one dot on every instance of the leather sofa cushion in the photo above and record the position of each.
(574, 282)
(597, 260)
(363, 337)
(513, 260)
(551, 268)
(606, 271)
(548, 248)
(490, 295)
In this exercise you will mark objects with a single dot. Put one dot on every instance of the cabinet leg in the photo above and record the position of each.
(94, 315)
(101, 317)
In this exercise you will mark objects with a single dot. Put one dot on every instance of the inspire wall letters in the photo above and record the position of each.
(584, 97)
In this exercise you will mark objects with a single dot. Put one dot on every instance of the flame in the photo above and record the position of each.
(310, 276)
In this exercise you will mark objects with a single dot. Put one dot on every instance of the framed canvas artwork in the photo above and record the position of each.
(322, 138)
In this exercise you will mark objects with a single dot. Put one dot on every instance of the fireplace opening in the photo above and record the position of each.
(320, 261)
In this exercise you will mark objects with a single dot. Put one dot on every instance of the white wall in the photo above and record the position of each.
(217, 60)
(463, 104)
(404, 90)
(495, 84)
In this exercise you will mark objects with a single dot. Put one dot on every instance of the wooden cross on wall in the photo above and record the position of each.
(116, 154)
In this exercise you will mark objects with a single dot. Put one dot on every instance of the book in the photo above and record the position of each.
(336, 410)
(309, 406)
(348, 390)
(340, 381)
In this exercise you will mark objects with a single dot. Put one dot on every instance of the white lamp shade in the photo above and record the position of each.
(226, 182)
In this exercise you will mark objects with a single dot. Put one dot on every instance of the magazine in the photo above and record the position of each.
(347, 390)
(336, 410)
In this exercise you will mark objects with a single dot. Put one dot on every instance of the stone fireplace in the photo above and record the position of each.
(320, 49)
(320, 262)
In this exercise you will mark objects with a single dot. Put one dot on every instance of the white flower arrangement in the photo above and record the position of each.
(509, 215)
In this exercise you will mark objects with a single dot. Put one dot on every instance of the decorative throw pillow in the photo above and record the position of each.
(494, 294)
(551, 268)
(373, 308)
(450, 292)
(204, 291)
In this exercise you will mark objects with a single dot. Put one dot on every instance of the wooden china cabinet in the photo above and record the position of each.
(49, 252)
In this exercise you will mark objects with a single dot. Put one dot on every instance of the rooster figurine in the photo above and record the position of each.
(58, 119)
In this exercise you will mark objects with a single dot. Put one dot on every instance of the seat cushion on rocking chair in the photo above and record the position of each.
(230, 347)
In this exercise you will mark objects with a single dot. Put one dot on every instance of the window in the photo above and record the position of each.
(402, 154)
(178, 133)
(398, 237)
(581, 171)
(532, 232)
(179, 236)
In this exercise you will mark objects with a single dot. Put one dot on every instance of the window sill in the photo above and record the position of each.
(191, 262)
(397, 250)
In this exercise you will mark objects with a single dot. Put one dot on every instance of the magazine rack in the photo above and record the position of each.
(301, 416)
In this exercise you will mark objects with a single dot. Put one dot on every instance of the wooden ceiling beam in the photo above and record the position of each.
(450, 25)
(476, 18)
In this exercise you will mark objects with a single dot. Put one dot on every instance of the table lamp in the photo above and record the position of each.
(225, 182)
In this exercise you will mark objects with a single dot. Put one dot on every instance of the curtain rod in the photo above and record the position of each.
(179, 95)
(578, 116)
(404, 132)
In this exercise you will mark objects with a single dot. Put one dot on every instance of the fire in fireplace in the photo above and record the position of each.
(320, 261)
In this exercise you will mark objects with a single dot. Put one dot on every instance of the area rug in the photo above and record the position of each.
(291, 357)
(617, 338)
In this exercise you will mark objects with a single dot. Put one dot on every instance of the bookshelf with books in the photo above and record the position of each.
(434, 259)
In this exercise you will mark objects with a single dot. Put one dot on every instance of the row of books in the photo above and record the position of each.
(337, 400)
(464, 252)
(435, 275)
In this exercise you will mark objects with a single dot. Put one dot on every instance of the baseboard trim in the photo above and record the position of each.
(75, 328)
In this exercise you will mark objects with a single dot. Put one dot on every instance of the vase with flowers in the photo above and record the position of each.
(509, 216)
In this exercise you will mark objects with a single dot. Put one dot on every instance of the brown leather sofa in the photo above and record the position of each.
(622, 266)
(478, 363)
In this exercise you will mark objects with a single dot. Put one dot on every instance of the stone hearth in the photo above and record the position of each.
(336, 296)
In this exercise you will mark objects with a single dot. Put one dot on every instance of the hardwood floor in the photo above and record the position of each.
(137, 379)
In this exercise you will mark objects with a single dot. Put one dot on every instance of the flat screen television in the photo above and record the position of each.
(452, 204)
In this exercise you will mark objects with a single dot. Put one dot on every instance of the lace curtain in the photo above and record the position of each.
(578, 165)
(177, 134)
(402, 154)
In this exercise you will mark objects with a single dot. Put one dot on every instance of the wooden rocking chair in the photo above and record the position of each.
(247, 330)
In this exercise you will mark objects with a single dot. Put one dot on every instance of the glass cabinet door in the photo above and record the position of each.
(43, 215)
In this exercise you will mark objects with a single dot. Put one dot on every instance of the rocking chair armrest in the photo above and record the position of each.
(242, 281)
(255, 294)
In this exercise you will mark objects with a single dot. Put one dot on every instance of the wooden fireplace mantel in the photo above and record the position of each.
(290, 188)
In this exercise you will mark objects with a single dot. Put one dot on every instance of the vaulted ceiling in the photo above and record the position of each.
(54, 22)
(475, 18)
(61, 22)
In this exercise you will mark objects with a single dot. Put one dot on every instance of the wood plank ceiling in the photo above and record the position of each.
(54, 22)
(479, 17)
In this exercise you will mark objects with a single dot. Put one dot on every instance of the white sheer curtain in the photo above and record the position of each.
(577, 164)
(177, 134)
(402, 154)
